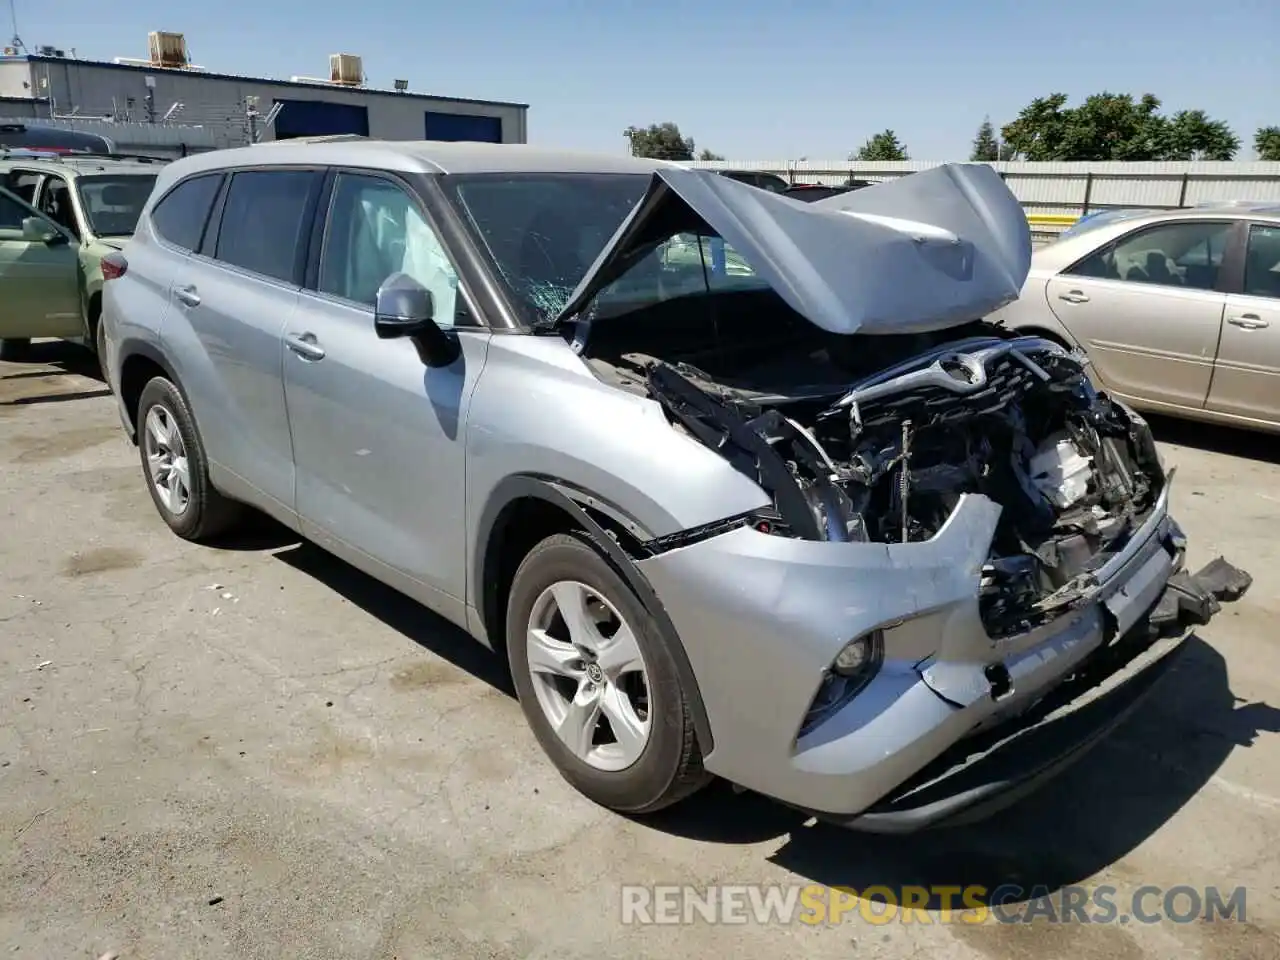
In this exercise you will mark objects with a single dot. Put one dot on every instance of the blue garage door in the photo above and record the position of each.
(463, 126)
(316, 118)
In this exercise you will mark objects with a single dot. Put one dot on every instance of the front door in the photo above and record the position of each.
(379, 438)
(39, 278)
(1148, 310)
(1246, 377)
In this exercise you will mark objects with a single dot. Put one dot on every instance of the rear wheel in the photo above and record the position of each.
(15, 349)
(596, 681)
(100, 349)
(175, 467)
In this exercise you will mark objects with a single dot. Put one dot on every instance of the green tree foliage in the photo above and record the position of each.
(985, 146)
(1113, 126)
(883, 146)
(659, 141)
(706, 154)
(1267, 143)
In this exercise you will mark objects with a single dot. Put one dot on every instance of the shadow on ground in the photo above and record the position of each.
(402, 614)
(1092, 815)
(62, 356)
(1229, 441)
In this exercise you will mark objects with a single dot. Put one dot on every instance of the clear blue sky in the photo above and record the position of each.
(750, 80)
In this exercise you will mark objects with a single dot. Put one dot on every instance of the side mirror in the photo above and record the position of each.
(403, 308)
(38, 230)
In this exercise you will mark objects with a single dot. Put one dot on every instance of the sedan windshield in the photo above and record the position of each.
(112, 203)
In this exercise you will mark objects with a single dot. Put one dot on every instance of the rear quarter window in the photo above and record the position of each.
(180, 216)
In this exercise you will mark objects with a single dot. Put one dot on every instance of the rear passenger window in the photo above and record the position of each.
(180, 217)
(264, 220)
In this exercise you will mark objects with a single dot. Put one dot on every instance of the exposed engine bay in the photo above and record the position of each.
(874, 438)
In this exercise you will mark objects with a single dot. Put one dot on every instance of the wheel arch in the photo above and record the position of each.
(523, 510)
(140, 361)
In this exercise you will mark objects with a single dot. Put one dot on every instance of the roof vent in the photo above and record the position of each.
(167, 50)
(346, 69)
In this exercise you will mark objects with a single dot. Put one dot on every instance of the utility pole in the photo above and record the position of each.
(16, 42)
(251, 113)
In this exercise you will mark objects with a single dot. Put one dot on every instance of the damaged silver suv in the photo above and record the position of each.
(739, 485)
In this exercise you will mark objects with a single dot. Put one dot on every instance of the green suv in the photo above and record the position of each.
(59, 216)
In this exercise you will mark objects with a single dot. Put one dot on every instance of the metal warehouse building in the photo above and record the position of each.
(166, 89)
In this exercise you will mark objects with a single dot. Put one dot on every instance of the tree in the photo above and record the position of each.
(708, 155)
(883, 146)
(1267, 143)
(985, 146)
(1193, 136)
(1113, 126)
(659, 141)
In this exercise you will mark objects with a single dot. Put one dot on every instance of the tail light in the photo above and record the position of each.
(114, 266)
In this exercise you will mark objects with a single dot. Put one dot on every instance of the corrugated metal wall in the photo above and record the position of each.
(1054, 194)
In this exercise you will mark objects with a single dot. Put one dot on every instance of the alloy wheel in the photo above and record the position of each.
(167, 462)
(589, 675)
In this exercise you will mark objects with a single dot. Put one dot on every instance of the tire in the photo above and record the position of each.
(668, 767)
(203, 513)
(15, 350)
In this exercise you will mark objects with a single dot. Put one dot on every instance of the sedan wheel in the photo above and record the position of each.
(167, 464)
(589, 675)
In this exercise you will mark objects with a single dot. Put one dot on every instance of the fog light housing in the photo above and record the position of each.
(858, 655)
(853, 668)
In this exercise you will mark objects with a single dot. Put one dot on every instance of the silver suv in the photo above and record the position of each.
(737, 484)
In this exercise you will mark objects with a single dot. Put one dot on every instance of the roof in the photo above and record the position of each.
(80, 165)
(416, 156)
(241, 78)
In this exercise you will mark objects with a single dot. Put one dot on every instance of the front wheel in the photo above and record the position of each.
(596, 681)
(175, 466)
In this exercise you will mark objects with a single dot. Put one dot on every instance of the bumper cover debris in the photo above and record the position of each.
(994, 769)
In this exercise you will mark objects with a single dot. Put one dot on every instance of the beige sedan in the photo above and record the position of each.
(1179, 310)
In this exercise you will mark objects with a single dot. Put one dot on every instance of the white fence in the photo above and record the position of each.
(1055, 195)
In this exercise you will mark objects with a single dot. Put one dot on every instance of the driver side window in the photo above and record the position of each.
(1186, 254)
(375, 230)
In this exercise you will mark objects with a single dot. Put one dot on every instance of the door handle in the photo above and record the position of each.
(188, 296)
(1074, 296)
(305, 346)
(1250, 321)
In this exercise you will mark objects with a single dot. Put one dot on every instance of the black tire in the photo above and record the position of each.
(15, 350)
(208, 513)
(670, 766)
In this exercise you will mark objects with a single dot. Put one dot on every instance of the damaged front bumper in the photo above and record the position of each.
(763, 617)
(987, 773)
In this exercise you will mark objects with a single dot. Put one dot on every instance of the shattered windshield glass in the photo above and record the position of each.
(543, 231)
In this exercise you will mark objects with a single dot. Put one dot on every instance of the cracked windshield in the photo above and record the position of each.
(543, 233)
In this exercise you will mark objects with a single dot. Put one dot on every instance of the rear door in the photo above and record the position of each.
(1246, 377)
(1148, 309)
(39, 287)
(232, 300)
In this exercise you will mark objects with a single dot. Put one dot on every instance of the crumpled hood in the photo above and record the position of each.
(924, 252)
